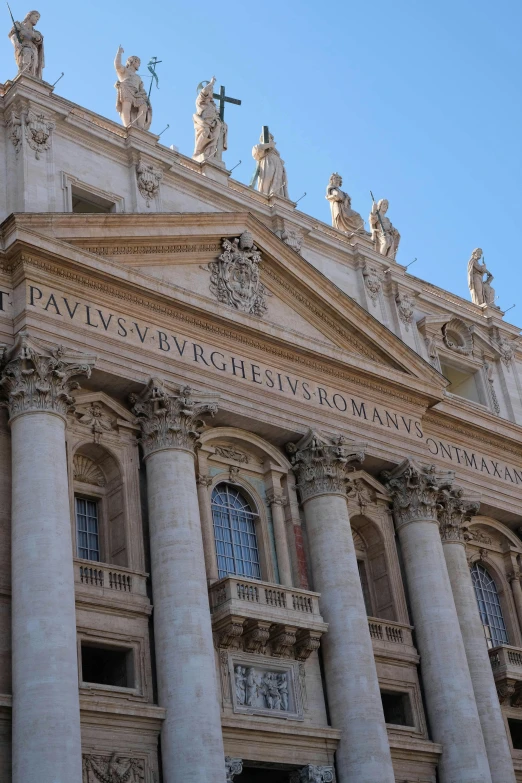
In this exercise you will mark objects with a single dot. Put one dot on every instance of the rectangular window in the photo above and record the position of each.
(108, 665)
(83, 201)
(515, 729)
(462, 383)
(87, 529)
(397, 708)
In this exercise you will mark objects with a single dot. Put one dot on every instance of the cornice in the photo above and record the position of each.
(450, 424)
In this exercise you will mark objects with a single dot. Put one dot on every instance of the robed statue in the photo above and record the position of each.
(344, 217)
(28, 45)
(482, 292)
(385, 236)
(132, 102)
(271, 172)
(211, 131)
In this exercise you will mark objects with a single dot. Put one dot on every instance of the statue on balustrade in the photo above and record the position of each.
(344, 218)
(132, 102)
(270, 172)
(211, 131)
(385, 236)
(482, 292)
(28, 45)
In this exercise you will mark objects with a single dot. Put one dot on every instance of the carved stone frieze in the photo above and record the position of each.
(233, 767)
(87, 471)
(312, 774)
(373, 278)
(116, 768)
(37, 378)
(148, 179)
(321, 463)
(478, 536)
(38, 132)
(454, 511)
(170, 417)
(235, 276)
(415, 490)
(262, 688)
(255, 636)
(96, 420)
(229, 452)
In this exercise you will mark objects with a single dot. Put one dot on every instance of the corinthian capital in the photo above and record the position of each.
(37, 378)
(415, 490)
(170, 417)
(454, 511)
(321, 463)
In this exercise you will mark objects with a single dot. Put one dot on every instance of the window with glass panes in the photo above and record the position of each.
(87, 529)
(234, 533)
(489, 606)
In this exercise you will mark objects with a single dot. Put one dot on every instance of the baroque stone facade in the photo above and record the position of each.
(241, 503)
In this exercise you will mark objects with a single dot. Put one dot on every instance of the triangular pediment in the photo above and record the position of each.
(174, 256)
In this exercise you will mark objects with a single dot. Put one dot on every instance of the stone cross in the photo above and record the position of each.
(222, 98)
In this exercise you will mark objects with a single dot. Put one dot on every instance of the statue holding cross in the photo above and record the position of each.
(209, 124)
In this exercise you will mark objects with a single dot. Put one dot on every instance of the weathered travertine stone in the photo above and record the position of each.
(454, 512)
(481, 290)
(344, 217)
(132, 103)
(354, 700)
(384, 234)
(449, 691)
(192, 744)
(211, 131)
(37, 385)
(28, 45)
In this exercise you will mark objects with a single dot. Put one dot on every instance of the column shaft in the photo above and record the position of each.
(46, 710)
(351, 677)
(281, 543)
(517, 597)
(445, 674)
(207, 529)
(191, 739)
(493, 728)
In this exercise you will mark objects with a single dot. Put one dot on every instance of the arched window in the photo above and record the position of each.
(489, 606)
(234, 533)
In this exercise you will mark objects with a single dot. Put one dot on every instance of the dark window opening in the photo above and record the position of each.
(108, 666)
(515, 729)
(83, 201)
(397, 708)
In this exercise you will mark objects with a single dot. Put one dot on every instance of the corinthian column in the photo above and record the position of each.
(447, 683)
(191, 739)
(354, 700)
(454, 512)
(37, 384)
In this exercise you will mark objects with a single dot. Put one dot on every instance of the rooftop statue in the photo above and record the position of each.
(28, 45)
(344, 217)
(385, 236)
(482, 292)
(271, 172)
(132, 102)
(211, 131)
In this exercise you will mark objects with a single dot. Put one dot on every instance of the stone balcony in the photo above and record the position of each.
(260, 616)
(506, 662)
(392, 640)
(105, 584)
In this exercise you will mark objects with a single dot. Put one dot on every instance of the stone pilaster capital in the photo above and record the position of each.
(37, 378)
(515, 575)
(204, 481)
(321, 463)
(170, 418)
(233, 767)
(415, 490)
(276, 497)
(454, 511)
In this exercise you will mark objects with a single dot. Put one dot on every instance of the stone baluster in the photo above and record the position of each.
(354, 699)
(276, 499)
(37, 384)
(451, 705)
(454, 512)
(191, 738)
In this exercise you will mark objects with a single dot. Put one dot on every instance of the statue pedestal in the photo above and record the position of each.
(215, 169)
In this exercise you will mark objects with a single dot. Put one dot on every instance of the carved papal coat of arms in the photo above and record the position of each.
(235, 276)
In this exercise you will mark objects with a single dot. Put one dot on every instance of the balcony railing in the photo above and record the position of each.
(506, 662)
(109, 579)
(260, 616)
(391, 639)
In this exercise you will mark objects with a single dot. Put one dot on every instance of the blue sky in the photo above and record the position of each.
(420, 102)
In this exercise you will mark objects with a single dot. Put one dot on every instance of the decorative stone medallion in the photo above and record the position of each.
(235, 276)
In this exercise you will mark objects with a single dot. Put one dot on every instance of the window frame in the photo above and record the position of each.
(98, 502)
(491, 639)
(254, 514)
